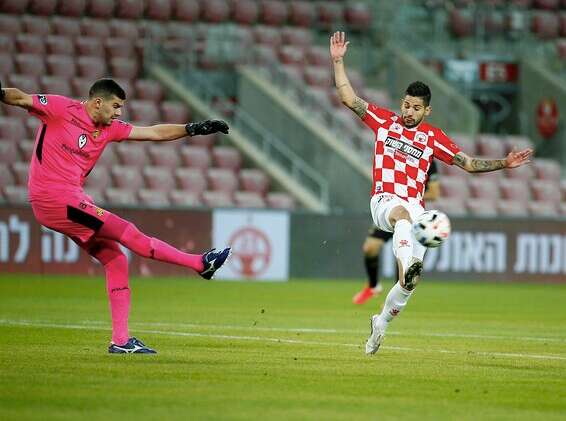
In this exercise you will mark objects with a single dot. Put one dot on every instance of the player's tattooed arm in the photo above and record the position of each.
(360, 107)
(513, 160)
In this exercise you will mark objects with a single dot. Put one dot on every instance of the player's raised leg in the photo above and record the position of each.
(127, 234)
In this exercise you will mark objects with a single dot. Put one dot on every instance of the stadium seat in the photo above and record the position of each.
(516, 142)
(266, 35)
(108, 157)
(292, 55)
(512, 208)
(255, 180)
(21, 173)
(7, 43)
(37, 25)
(246, 12)
(159, 178)
(184, 198)
(26, 148)
(143, 110)
(95, 28)
(215, 11)
(543, 209)
(524, 172)
(55, 85)
(514, 189)
(318, 76)
(222, 179)
(461, 23)
(273, 12)
(121, 197)
(358, 15)
(264, 55)
(9, 25)
(15, 7)
(31, 126)
(546, 191)
(74, 8)
(226, 157)
(217, 199)
(132, 154)
(124, 29)
(42, 7)
(195, 156)
(30, 44)
(99, 178)
(101, 8)
(546, 4)
(153, 198)
(96, 196)
(246, 199)
(7, 64)
(481, 207)
(12, 129)
(175, 112)
(302, 13)
(59, 44)
(159, 9)
(124, 67)
(30, 64)
(545, 25)
(491, 146)
(91, 67)
(454, 188)
(127, 177)
(329, 14)
(129, 9)
(119, 47)
(451, 206)
(148, 89)
(16, 195)
(192, 180)
(164, 155)
(481, 190)
(62, 66)
(187, 10)
(298, 37)
(18, 113)
(317, 56)
(65, 26)
(28, 84)
(547, 169)
(89, 46)
(280, 201)
(8, 153)
(6, 176)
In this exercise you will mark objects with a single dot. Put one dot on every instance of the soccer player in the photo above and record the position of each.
(404, 148)
(67, 146)
(376, 238)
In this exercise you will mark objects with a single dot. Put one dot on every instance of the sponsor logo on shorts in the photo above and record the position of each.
(403, 147)
(42, 99)
(99, 211)
(82, 141)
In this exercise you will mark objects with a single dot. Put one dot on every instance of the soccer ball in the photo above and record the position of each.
(431, 228)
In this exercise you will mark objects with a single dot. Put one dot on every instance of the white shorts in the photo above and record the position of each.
(381, 206)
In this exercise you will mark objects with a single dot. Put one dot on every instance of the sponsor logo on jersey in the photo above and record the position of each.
(403, 147)
(75, 151)
(42, 99)
(82, 141)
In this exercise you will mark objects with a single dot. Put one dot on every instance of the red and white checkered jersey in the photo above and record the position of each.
(402, 156)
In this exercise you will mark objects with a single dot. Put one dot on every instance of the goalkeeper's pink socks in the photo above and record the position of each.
(127, 234)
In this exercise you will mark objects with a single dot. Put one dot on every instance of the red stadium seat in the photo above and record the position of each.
(491, 146)
(217, 199)
(547, 169)
(317, 56)
(245, 12)
(292, 55)
(175, 112)
(543, 209)
(226, 157)
(545, 25)
(148, 89)
(12, 129)
(21, 173)
(280, 201)
(90, 46)
(26, 148)
(246, 199)
(69, 27)
(81, 86)
(546, 4)
(99, 178)
(461, 23)
(124, 67)
(101, 8)
(222, 179)
(108, 157)
(524, 172)
(273, 12)
(61, 66)
(159, 178)
(127, 86)
(546, 191)
(36, 25)
(55, 85)
(132, 154)
(512, 208)
(6, 43)
(6, 176)
(74, 8)
(28, 84)
(185, 198)
(32, 125)
(298, 37)
(18, 114)
(129, 9)
(454, 188)
(358, 15)
(127, 177)
(164, 155)
(91, 67)
(159, 9)
(450, 206)
(302, 13)
(42, 7)
(215, 11)
(125, 29)
(119, 47)
(329, 14)
(187, 10)
(15, 7)
(96, 28)
(30, 44)
(195, 156)
(16, 195)
(318, 76)
(153, 198)
(30, 64)
(120, 197)
(481, 207)
(10, 25)
(206, 141)
(191, 180)
(144, 111)
(481, 190)
(254, 180)
(8, 152)
(517, 143)
(267, 35)
(7, 65)
(514, 189)
(264, 55)
(58, 44)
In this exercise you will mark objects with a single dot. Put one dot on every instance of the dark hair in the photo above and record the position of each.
(421, 90)
(106, 88)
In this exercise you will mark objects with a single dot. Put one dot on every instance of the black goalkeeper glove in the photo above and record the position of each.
(206, 127)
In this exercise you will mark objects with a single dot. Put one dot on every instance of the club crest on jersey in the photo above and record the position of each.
(420, 137)
(96, 133)
(82, 141)
(42, 99)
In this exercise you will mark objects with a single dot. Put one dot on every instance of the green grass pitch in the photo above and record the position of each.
(288, 351)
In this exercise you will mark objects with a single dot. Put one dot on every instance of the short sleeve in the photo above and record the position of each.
(49, 107)
(119, 130)
(444, 148)
(376, 116)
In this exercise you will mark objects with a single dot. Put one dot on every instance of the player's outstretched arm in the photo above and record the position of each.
(513, 160)
(13, 96)
(176, 131)
(338, 48)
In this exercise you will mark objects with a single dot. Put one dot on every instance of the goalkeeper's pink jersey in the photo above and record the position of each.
(67, 145)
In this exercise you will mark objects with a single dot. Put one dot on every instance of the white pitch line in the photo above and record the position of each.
(279, 340)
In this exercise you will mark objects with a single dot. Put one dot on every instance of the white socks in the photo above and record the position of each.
(403, 242)
(395, 302)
